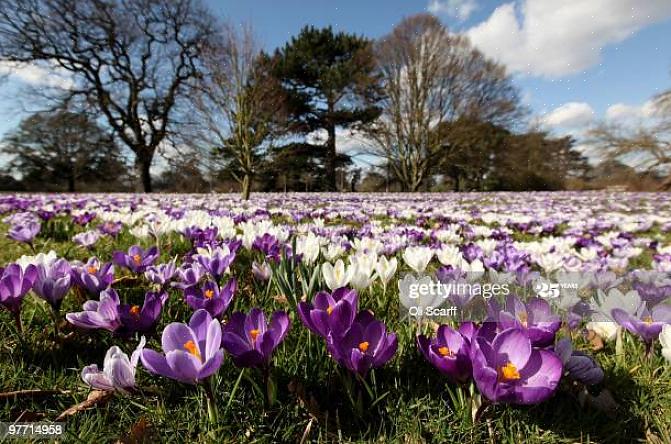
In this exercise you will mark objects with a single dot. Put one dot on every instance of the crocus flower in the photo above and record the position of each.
(577, 365)
(261, 272)
(122, 319)
(191, 352)
(15, 283)
(93, 276)
(136, 260)
(535, 316)
(118, 373)
(209, 297)
(216, 261)
(111, 228)
(507, 369)
(449, 351)
(366, 345)
(24, 232)
(86, 239)
(665, 340)
(53, 281)
(417, 258)
(250, 340)
(161, 274)
(329, 312)
(336, 276)
(645, 323)
(189, 276)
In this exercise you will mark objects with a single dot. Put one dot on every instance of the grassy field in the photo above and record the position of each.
(409, 401)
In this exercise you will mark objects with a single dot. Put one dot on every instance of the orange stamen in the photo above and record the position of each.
(445, 351)
(364, 346)
(137, 259)
(254, 333)
(508, 372)
(192, 348)
(92, 269)
(329, 310)
(135, 310)
(209, 294)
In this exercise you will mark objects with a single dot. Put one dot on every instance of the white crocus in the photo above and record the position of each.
(386, 269)
(336, 276)
(449, 255)
(665, 340)
(417, 258)
(332, 251)
(606, 330)
(118, 371)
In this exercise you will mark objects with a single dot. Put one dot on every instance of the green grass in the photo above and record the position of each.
(414, 403)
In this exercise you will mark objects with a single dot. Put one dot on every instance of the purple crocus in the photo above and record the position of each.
(161, 274)
(449, 351)
(330, 312)
(93, 276)
(366, 345)
(53, 281)
(111, 228)
(216, 262)
(191, 352)
(250, 340)
(122, 319)
(189, 276)
(15, 283)
(507, 369)
(24, 232)
(209, 297)
(535, 317)
(577, 365)
(86, 239)
(118, 373)
(646, 323)
(136, 260)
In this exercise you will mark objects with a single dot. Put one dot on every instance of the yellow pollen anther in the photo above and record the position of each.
(648, 320)
(329, 310)
(508, 372)
(92, 269)
(254, 333)
(209, 294)
(192, 348)
(135, 310)
(445, 351)
(363, 346)
(524, 318)
(137, 259)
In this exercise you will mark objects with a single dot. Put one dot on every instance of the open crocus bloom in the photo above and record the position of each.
(535, 317)
(136, 260)
(118, 371)
(507, 369)
(191, 352)
(93, 276)
(53, 281)
(250, 340)
(15, 282)
(24, 232)
(645, 323)
(366, 345)
(330, 312)
(209, 297)
(449, 351)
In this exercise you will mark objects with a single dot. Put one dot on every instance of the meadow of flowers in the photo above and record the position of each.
(199, 318)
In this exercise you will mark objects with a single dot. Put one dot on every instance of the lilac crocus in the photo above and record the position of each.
(53, 281)
(122, 319)
(250, 340)
(191, 353)
(507, 369)
(136, 260)
(93, 276)
(646, 323)
(330, 312)
(216, 261)
(210, 297)
(189, 276)
(449, 351)
(118, 373)
(366, 345)
(161, 274)
(86, 239)
(24, 232)
(535, 317)
(111, 228)
(15, 283)
(577, 365)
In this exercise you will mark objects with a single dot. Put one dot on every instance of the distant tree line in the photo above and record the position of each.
(425, 110)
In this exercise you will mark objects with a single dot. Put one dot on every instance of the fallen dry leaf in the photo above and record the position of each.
(95, 397)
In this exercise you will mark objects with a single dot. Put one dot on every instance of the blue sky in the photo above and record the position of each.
(575, 61)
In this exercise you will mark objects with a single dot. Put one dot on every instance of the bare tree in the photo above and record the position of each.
(432, 77)
(646, 146)
(131, 60)
(237, 104)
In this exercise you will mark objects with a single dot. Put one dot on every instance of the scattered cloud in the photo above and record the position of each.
(623, 113)
(36, 75)
(349, 142)
(555, 39)
(571, 115)
(458, 9)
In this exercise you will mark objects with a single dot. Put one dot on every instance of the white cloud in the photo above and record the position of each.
(36, 75)
(571, 115)
(556, 38)
(459, 9)
(347, 141)
(623, 113)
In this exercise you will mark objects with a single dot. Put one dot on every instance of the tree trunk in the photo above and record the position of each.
(71, 184)
(246, 186)
(331, 155)
(143, 166)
